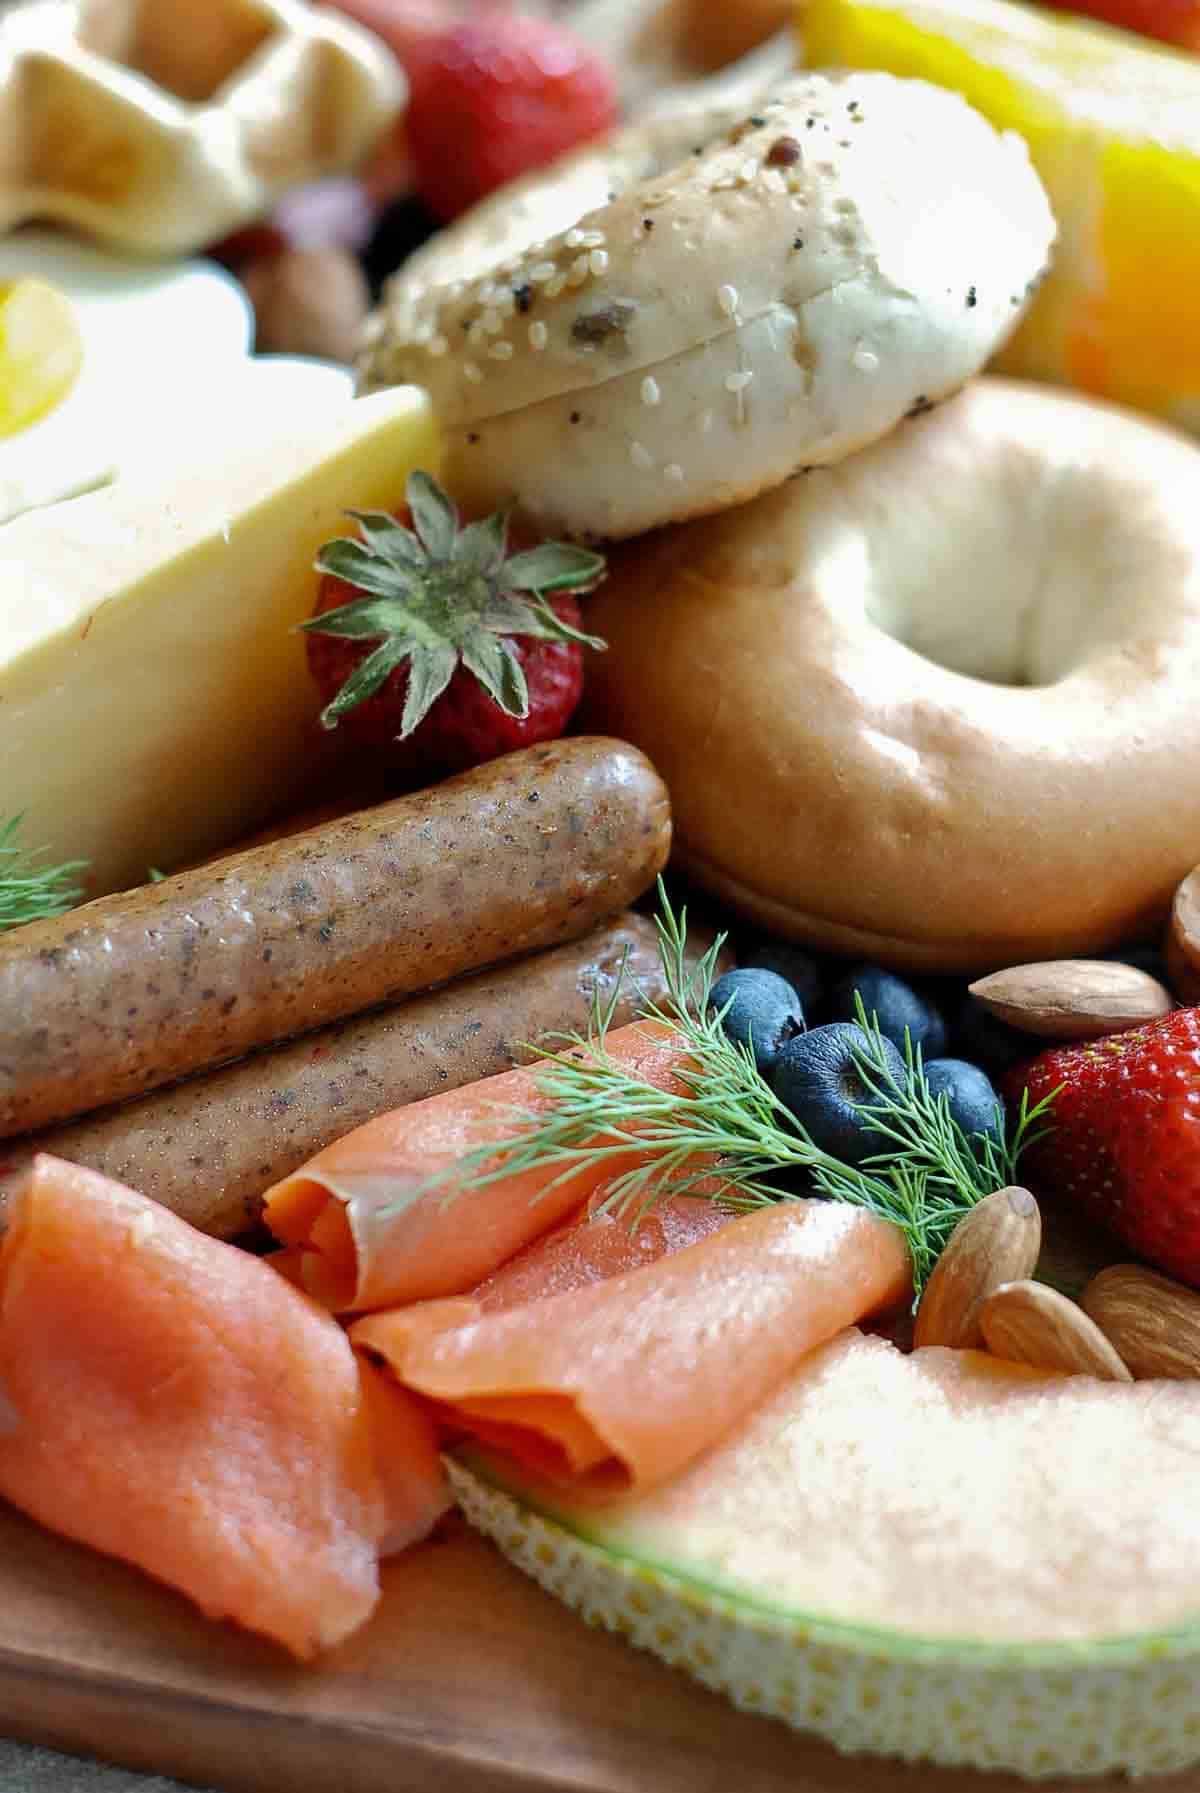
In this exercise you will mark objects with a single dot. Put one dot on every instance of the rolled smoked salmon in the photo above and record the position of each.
(172, 1401)
(375, 1235)
(619, 1385)
(587, 1248)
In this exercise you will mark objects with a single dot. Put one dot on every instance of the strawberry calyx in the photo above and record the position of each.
(439, 594)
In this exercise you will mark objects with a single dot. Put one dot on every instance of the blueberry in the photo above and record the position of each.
(764, 1015)
(986, 1040)
(895, 1005)
(974, 1104)
(790, 962)
(817, 1077)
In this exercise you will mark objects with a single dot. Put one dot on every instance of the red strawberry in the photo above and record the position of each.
(434, 643)
(496, 96)
(1124, 1140)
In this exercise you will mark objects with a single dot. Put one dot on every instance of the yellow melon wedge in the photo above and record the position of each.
(1113, 126)
(935, 1556)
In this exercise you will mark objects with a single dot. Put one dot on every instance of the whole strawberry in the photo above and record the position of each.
(1124, 1139)
(435, 645)
(496, 96)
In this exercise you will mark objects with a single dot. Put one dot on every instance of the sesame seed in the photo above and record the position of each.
(475, 334)
(598, 262)
(641, 457)
(487, 292)
(673, 471)
(865, 360)
(578, 275)
(574, 239)
(541, 272)
(438, 346)
(727, 299)
(506, 304)
(539, 336)
(501, 351)
(738, 382)
(492, 322)
(774, 181)
(555, 286)
(650, 390)
(592, 239)
(472, 373)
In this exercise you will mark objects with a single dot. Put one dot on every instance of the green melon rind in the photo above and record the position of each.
(1127, 1705)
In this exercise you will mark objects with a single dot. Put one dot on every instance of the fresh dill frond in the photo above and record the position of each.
(727, 1136)
(29, 890)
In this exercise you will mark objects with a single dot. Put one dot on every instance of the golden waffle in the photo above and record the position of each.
(160, 125)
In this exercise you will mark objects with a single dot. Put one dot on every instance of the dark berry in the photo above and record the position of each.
(817, 1077)
(765, 1012)
(985, 1040)
(973, 1102)
(793, 964)
(895, 1006)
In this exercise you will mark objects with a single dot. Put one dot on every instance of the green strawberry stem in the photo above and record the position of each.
(438, 595)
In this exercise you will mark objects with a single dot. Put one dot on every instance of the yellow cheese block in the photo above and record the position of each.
(154, 696)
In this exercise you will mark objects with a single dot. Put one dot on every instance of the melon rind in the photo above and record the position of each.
(1131, 1705)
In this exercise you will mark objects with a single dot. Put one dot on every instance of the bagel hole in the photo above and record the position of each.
(1016, 591)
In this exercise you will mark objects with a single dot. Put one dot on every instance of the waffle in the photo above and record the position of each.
(161, 125)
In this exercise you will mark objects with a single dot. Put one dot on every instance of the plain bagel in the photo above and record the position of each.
(675, 321)
(936, 705)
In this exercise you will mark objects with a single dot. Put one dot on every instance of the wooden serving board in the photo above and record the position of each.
(469, 1680)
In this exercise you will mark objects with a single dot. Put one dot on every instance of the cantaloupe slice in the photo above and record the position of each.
(936, 1556)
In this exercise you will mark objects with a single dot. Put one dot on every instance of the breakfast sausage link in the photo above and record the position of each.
(138, 989)
(210, 1147)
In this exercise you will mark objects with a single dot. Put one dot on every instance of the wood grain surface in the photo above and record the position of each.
(469, 1680)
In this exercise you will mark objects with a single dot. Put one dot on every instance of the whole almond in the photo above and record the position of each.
(997, 1242)
(1153, 1322)
(1029, 1322)
(1183, 940)
(1073, 999)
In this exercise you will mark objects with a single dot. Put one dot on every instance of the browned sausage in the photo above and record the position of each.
(138, 989)
(209, 1148)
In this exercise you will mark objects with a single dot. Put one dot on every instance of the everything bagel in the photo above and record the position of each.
(679, 319)
(936, 705)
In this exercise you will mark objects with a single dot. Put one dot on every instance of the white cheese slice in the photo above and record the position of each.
(154, 696)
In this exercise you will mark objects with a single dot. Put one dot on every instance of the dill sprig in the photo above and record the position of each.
(29, 890)
(729, 1138)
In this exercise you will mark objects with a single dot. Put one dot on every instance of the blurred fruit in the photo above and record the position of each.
(41, 352)
(308, 302)
(1173, 21)
(1113, 125)
(497, 96)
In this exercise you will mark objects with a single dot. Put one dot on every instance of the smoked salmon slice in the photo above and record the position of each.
(619, 1384)
(374, 1234)
(588, 1248)
(173, 1401)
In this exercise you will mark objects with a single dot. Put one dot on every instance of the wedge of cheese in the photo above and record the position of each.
(154, 696)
